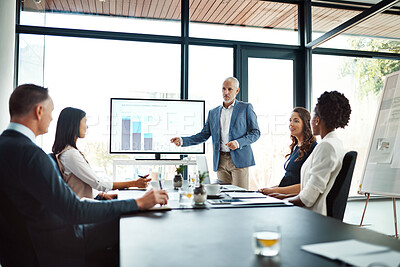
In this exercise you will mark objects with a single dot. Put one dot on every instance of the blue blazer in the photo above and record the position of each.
(243, 128)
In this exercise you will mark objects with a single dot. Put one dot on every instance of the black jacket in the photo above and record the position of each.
(40, 217)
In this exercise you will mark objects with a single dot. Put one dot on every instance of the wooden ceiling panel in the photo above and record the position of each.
(389, 24)
(201, 5)
(106, 7)
(139, 8)
(291, 20)
(193, 4)
(71, 5)
(92, 6)
(177, 10)
(79, 7)
(217, 12)
(160, 6)
(279, 14)
(212, 10)
(250, 11)
(237, 12)
(262, 15)
(145, 9)
(274, 10)
(224, 9)
(164, 10)
(207, 9)
(125, 8)
(254, 13)
(280, 21)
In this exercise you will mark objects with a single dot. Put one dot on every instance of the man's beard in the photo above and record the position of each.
(229, 100)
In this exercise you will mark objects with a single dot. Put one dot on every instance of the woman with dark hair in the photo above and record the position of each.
(303, 143)
(319, 172)
(73, 166)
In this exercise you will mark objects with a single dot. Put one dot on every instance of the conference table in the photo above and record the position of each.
(223, 237)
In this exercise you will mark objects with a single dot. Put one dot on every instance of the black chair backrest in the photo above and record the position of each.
(336, 200)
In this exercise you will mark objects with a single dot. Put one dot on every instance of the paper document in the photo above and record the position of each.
(387, 259)
(339, 249)
(232, 188)
(355, 252)
(262, 201)
(246, 195)
(249, 201)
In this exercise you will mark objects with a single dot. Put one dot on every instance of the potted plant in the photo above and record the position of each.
(200, 193)
(178, 177)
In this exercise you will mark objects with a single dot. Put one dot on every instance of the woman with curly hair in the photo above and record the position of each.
(303, 143)
(319, 171)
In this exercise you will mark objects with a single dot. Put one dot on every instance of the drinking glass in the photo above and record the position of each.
(192, 180)
(267, 239)
(185, 197)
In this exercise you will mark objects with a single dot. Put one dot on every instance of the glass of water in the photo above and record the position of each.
(185, 197)
(192, 180)
(267, 239)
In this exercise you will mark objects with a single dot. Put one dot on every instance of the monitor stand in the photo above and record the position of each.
(157, 156)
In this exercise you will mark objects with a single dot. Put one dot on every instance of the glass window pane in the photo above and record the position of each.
(86, 73)
(146, 16)
(361, 81)
(244, 20)
(271, 93)
(31, 59)
(208, 68)
(378, 33)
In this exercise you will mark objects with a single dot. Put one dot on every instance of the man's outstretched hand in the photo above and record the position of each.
(176, 141)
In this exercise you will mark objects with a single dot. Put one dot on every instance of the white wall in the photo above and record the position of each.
(7, 47)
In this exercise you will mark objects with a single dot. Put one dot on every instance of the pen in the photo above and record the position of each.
(159, 181)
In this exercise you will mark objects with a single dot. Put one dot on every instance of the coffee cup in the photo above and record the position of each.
(213, 189)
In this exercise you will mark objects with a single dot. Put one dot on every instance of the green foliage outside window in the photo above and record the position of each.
(370, 73)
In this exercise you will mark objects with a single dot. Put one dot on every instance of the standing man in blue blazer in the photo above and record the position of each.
(233, 127)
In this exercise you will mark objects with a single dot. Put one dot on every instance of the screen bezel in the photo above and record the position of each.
(155, 152)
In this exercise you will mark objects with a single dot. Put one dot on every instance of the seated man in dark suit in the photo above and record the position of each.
(42, 222)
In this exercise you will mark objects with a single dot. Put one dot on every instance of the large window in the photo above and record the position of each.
(151, 17)
(209, 66)
(244, 20)
(86, 73)
(271, 94)
(107, 61)
(361, 81)
(378, 33)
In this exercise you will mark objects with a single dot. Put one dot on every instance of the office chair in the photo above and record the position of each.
(336, 200)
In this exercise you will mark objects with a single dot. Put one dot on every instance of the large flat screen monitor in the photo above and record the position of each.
(145, 126)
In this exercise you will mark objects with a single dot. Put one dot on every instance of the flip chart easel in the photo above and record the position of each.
(381, 174)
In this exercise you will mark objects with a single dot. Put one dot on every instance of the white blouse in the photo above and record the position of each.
(74, 162)
(319, 172)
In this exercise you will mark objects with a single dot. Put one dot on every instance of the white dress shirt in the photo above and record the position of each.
(319, 172)
(225, 123)
(23, 130)
(74, 162)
